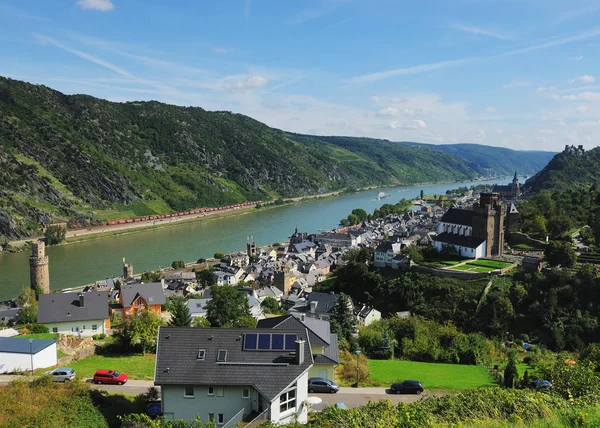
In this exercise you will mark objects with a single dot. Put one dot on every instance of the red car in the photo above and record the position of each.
(110, 376)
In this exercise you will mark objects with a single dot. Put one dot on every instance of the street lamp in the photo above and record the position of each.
(31, 354)
(357, 355)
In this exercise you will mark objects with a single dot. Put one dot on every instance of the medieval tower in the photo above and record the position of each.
(488, 223)
(39, 275)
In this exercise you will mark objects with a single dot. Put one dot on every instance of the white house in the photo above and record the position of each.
(18, 354)
(230, 374)
(365, 315)
(80, 314)
(456, 230)
(385, 253)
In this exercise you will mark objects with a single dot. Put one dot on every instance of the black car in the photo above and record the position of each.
(407, 387)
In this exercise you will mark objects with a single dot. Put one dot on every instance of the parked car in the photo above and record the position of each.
(321, 384)
(541, 384)
(407, 387)
(110, 376)
(63, 374)
(154, 409)
(342, 406)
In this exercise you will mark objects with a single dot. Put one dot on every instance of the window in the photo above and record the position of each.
(54, 329)
(211, 417)
(211, 390)
(201, 354)
(189, 391)
(246, 393)
(287, 400)
(94, 327)
(220, 391)
(221, 419)
(222, 355)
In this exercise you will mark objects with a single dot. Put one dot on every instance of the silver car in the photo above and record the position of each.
(63, 374)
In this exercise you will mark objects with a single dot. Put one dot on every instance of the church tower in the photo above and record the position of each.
(39, 275)
(488, 223)
(516, 187)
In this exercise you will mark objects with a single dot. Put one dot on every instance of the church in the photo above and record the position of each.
(474, 233)
(509, 191)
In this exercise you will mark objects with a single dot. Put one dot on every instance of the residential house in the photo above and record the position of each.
(385, 253)
(323, 344)
(233, 374)
(136, 297)
(197, 307)
(81, 314)
(365, 315)
(319, 305)
(18, 355)
(269, 291)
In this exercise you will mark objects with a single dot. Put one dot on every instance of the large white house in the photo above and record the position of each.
(18, 354)
(385, 253)
(456, 230)
(80, 314)
(231, 375)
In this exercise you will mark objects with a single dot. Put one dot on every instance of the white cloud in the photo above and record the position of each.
(420, 124)
(251, 82)
(516, 84)
(581, 109)
(482, 32)
(389, 111)
(575, 58)
(546, 89)
(490, 109)
(586, 78)
(584, 96)
(101, 5)
(223, 50)
(405, 71)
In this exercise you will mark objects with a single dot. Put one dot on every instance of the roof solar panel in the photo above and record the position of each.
(277, 342)
(264, 342)
(290, 342)
(250, 341)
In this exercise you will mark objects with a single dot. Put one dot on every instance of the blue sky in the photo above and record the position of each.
(513, 73)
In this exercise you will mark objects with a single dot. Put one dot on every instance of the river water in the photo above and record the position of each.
(89, 261)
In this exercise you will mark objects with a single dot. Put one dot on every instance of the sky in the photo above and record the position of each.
(522, 74)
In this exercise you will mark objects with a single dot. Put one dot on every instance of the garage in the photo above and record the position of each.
(19, 355)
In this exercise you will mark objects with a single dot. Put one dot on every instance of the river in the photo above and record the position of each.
(85, 262)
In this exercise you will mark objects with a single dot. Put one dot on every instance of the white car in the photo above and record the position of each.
(63, 374)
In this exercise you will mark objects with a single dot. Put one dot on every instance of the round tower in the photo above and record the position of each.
(39, 275)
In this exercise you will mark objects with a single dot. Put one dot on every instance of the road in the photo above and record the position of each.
(352, 397)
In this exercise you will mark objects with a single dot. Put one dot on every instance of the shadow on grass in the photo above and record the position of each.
(113, 405)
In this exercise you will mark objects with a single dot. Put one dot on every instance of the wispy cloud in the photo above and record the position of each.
(586, 78)
(247, 8)
(223, 50)
(16, 13)
(557, 41)
(365, 78)
(482, 32)
(251, 82)
(584, 96)
(101, 5)
(337, 24)
(575, 58)
(517, 83)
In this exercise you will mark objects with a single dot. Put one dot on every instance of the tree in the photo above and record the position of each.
(560, 253)
(29, 307)
(360, 213)
(228, 308)
(55, 234)
(180, 314)
(342, 319)
(422, 194)
(511, 374)
(413, 253)
(207, 277)
(200, 322)
(178, 264)
(270, 305)
(152, 276)
(219, 255)
(141, 329)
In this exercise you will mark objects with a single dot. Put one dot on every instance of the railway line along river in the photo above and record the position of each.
(85, 262)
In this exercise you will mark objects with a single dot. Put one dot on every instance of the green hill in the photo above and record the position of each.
(567, 171)
(84, 160)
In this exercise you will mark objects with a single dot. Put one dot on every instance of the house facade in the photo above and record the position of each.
(136, 297)
(233, 375)
(385, 252)
(79, 314)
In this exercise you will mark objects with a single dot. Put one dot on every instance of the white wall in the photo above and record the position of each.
(300, 413)
(84, 327)
(9, 362)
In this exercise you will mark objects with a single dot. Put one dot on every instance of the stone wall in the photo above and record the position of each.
(75, 348)
(522, 238)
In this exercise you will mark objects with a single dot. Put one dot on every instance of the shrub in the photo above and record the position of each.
(347, 370)
(37, 328)
(99, 336)
(219, 255)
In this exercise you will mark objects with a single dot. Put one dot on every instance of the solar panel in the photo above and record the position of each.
(277, 342)
(290, 342)
(222, 356)
(264, 342)
(250, 341)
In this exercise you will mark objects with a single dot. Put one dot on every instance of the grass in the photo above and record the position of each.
(434, 376)
(470, 268)
(44, 336)
(140, 367)
(490, 263)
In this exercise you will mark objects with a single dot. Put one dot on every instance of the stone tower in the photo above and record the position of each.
(39, 275)
(127, 270)
(488, 223)
(516, 187)
(251, 247)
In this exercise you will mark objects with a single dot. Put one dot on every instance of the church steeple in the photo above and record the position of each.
(515, 179)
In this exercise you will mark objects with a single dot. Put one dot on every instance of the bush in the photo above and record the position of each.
(219, 255)
(99, 336)
(178, 264)
(37, 328)
(348, 367)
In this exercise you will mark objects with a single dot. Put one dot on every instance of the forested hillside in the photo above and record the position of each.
(567, 171)
(83, 160)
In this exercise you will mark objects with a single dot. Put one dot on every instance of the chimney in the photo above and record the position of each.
(162, 283)
(313, 307)
(302, 317)
(299, 352)
(81, 300)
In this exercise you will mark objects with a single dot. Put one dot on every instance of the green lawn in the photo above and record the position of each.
(471, 268)
(45, 336)
(139, 367)
(433, 376)
(490, 263)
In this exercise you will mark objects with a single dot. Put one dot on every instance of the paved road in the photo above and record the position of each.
(133, 387)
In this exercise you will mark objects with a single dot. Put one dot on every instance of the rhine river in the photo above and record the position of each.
(85, 262)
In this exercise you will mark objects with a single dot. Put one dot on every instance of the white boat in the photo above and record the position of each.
(382, 195)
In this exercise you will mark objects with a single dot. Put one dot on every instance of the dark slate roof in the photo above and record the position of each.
(152, 293)
(289, 321)
(384, 247)
(63, 307)
(330, 353)
(8, 314)
(502, 188)
(21, 346)
(270, 372)
(325, 301)
(461, 240)
(458, 216)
